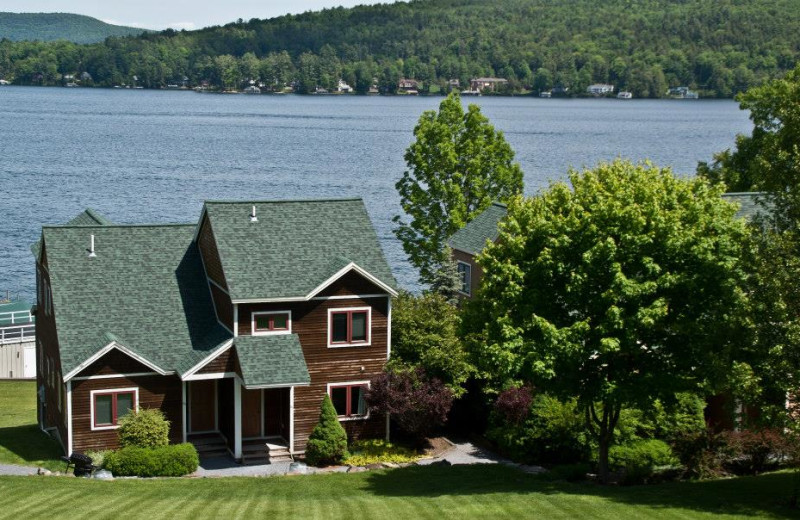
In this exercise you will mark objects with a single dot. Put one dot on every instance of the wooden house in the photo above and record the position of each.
(235, 326)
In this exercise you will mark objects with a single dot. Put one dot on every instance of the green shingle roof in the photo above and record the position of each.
(87, 217)
(271, 360)
(145, 289)
(472, 237)
(751, 204)
(295, 245)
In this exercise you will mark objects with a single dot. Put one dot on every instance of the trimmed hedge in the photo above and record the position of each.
(175, 460)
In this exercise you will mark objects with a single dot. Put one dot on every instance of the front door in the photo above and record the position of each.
(251, 413)
(273, 412)
(202, 406)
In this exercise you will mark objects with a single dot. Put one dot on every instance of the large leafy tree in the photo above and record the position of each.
(769, 160)
(457, 166)
(626, 288)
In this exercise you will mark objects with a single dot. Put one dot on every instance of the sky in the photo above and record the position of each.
(177, 14)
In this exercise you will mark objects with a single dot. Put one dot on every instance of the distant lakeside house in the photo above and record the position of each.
(235, 326)
(487, 84)
(600, 89)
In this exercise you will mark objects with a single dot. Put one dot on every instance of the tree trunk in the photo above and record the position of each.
(602, 427)
(602, 458)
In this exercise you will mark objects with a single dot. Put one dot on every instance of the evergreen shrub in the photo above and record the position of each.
(327, 444)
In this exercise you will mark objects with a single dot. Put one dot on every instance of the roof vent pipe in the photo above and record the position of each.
(91, 247)
(253, 217)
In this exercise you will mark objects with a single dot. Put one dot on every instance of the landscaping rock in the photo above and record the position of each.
(334, 469)
(374, 466)
(103, 475)
(356, 469)
(390, 465)
(297, 468)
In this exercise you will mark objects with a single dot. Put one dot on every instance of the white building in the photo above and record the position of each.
(600, 89)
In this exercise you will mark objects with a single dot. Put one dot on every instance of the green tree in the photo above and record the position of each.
(425, 334)
(328, 441)
(457, 166)
(627, 288)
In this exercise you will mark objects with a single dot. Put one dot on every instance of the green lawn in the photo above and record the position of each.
(458, 492)
(21, 440)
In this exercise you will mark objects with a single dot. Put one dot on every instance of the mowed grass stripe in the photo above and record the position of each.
(458, 492)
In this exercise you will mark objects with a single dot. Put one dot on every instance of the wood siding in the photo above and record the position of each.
(331, 365)
(208, 250)
(223, 306)
(114, 362)
(351, 284)
(163, 392)
(477, 272)
(48, 363)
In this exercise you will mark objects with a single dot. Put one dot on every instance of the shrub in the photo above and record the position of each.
(639, 459)
(754, 451)
(375, 451)
(328, 441)
(702, 453)
(662, 421)
(417, 403)
(514, 405)
(174, 460)
(146, 428)
(553, 433)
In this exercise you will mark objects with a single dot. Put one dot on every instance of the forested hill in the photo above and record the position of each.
(59, 26)
(645, 46)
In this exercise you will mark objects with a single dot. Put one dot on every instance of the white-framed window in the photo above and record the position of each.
(350, 327)
(271, 322)
(465, 274)
(107, 407)
(349, 400)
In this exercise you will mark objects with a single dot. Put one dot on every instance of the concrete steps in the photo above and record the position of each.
(209, 445)
(265, 451)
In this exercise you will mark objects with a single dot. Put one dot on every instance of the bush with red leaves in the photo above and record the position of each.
(756, 451)
(417, 404)
(514, 404)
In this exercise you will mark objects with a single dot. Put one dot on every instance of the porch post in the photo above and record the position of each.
(291, 420)
(237, 419)
(184, 409)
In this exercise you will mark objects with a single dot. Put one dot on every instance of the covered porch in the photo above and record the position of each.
(224, 418)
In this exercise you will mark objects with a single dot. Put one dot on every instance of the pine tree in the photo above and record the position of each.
(328, 441)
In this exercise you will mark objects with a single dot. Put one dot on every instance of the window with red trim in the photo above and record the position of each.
(110, 407)
(349, 400)
(349, 327)
(271, 322)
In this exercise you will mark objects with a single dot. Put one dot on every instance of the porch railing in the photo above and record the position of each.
(17, 334)
(16, 318)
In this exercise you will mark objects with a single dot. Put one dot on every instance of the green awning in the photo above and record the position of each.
(271, 361)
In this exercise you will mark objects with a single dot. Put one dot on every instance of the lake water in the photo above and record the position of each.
(154, 156)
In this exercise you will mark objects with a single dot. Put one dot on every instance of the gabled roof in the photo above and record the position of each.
(295, 246)
(472, 237)
(144, 293)
(271, 360)
(751, 203)
(87, 217)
